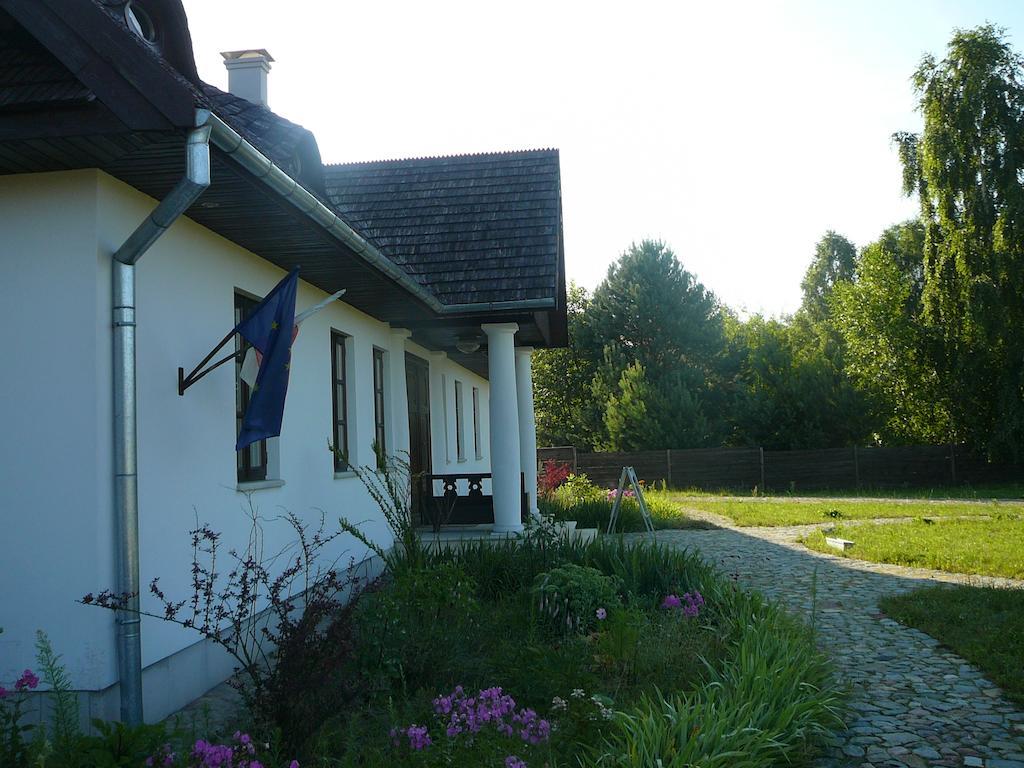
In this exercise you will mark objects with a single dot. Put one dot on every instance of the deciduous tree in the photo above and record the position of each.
(967, 167)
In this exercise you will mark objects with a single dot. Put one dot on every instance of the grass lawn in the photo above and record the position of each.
(986, 547)
(1004, 491)
(782, 511)
(984, 625)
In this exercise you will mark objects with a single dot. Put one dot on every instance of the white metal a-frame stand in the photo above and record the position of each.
(629, 475)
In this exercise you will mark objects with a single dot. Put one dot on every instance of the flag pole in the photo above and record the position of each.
(184, 382)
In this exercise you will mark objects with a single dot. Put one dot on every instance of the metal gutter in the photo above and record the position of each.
(498, 306)
(126, 489)
(225, 138)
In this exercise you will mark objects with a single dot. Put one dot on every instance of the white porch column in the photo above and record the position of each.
(527, 424)
(399, 394)
(504, 411)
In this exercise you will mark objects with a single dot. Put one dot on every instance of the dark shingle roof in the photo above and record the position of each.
(470, 228)
(280, 139)
(30, 76)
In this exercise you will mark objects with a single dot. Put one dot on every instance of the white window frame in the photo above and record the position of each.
(477, 444)
(460, 423)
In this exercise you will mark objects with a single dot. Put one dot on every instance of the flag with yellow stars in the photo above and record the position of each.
(270, 329)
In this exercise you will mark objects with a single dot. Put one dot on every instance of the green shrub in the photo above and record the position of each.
(404, 632)
(570, 596)
(577, 489)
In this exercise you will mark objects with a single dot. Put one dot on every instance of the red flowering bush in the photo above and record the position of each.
(553, 474)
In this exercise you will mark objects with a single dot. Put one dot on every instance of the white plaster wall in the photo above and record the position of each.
(56, 523)
(56, 534)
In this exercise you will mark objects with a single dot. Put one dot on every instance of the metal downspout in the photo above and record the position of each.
(126, 491)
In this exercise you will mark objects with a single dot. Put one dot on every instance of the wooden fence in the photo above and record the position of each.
(743, 469)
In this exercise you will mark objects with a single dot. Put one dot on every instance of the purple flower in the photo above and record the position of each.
(418, 737)
(691, 603)
(514, 762)
(694, 602)
(601, 614)
(3, 692)
(293, 764)
(212, 755)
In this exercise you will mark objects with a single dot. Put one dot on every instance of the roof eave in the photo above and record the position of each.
(129, 82)
(225, 138)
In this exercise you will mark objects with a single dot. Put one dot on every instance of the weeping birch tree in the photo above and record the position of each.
(967, 167)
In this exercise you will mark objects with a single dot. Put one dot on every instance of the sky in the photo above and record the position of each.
(736, 132)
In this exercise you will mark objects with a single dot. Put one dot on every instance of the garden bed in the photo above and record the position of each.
(542, 651)
(537, 653)
(560, 654)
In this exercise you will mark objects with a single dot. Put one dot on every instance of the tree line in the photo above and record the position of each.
(917, 337)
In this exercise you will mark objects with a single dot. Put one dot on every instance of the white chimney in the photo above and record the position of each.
(247, 73)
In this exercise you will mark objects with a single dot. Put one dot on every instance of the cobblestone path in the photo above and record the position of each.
(913, 703)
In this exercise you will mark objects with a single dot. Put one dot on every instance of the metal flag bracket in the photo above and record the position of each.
(629, 475)
(184, 382)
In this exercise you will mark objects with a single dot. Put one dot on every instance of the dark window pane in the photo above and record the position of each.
(339, 397)
(251, 462)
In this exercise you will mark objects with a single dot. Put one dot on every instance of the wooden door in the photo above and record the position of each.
(417, 382)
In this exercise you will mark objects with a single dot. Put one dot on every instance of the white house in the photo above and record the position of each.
(142, 212)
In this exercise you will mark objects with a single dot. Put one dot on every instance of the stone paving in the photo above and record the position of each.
(912, 702)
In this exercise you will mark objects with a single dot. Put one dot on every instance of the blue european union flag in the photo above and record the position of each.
(270, 330)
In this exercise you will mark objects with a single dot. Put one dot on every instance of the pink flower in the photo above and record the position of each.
(601, 614)
(27, 680)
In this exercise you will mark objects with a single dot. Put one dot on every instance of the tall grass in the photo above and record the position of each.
(770, 703)
(647, 571)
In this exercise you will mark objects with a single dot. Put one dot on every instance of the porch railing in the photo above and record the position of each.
(462, 498)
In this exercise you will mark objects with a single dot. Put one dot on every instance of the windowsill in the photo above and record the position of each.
(258, 485)
(343, 475)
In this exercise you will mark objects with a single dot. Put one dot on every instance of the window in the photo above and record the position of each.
(252, 460)
(460, 448)
(380, 443)
(339, 397)
(140, 23)
(444, 417)
(476, 423)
